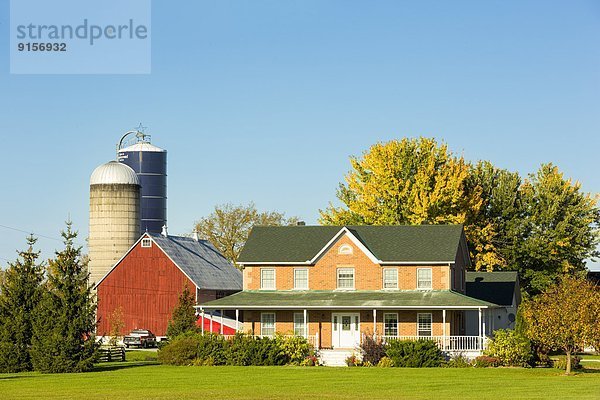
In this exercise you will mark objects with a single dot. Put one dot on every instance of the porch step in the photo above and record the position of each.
(334, 358)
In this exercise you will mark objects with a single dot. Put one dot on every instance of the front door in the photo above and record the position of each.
(345, 330)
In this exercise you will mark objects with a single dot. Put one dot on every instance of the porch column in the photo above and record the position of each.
(237, 320)
(221, 322)
(211, 321)
(202, 314)
(374, 323)
(305, 325)
(484, 321)
(480, 322)
(444, 329)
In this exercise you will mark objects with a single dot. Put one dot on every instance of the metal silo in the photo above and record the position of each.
(150, 164)
(114, 216)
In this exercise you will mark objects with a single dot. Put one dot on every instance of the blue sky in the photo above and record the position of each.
(265, 101)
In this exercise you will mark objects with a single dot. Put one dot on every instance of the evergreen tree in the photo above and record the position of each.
(64, 324)
(20, 293)
(184, 315)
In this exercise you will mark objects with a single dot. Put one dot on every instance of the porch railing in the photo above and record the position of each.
(449, 343)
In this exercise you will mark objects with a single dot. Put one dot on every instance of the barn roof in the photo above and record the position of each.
(200, 261)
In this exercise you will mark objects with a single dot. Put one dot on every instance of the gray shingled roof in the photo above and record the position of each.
(495, 287)
(201, 262)
(402, 243)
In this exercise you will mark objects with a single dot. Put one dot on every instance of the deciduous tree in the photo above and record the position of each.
(565, 316)
(20, 293)
(228, 226)
(64, 324)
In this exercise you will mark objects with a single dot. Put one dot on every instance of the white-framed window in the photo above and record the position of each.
(146, 242)
(345, 249)
(345, 278)
(301, 278)
(423, 278)
(390, 324)
(424, 324)
(299, 324)
(390, 278)
(267, 278)
(267, 324)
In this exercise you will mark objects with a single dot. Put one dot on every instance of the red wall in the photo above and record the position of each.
(146, 284)
(216, 328)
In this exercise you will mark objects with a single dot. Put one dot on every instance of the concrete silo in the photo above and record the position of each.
(114, 216)
(150, 164)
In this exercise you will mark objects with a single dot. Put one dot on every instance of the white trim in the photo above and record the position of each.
(301, 314)
(383, 278)
(337, 278)
(307, 279)
(309, 262)
(274, 323)
(430, 279)
(278, 307)
(148, 242)
(345, 250)
(274, 279)
(397, 323)
(431, 323)
(354, 240)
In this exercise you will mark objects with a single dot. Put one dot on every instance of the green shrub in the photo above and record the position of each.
(211, 347)
(310, 361)
(372, 350)
(296, 348)
(510, 347)
(561, 362)
(458, 361)
(414, 353)
(385, 362)
(486, 362)
(182, 350)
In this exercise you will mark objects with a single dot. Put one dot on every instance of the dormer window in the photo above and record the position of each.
(146, 242)
(345, 249)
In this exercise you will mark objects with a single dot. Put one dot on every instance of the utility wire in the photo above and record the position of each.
(29, 232)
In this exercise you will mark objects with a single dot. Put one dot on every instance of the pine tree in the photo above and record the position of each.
(184, 316)
(20, 293)
(63, 339)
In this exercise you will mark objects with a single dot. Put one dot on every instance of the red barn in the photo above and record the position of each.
(146, 282)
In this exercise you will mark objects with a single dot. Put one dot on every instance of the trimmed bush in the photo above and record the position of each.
(182, 350)
(561, 362)
(414, 353)
(486, 362)
(372, 350)
(511, 348)
(210, 349)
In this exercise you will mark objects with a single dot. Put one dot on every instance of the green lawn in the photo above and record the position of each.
(147, 380)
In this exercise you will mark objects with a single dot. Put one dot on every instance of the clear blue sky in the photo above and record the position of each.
(265, 101)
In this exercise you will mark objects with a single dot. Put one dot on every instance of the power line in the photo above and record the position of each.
(29, 232)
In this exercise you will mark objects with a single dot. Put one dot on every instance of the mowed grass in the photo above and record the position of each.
(148, 380)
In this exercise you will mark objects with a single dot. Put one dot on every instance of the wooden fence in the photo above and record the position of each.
(108, 354)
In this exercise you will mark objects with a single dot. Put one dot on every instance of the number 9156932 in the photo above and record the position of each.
(42, 46)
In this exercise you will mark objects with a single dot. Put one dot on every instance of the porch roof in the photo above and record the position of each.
(336, 299)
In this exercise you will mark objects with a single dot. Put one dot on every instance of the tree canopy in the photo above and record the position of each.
(64, 324)
(228, 226)
(20, 293)
(183, 318)
(542, 226)
(566, 316)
